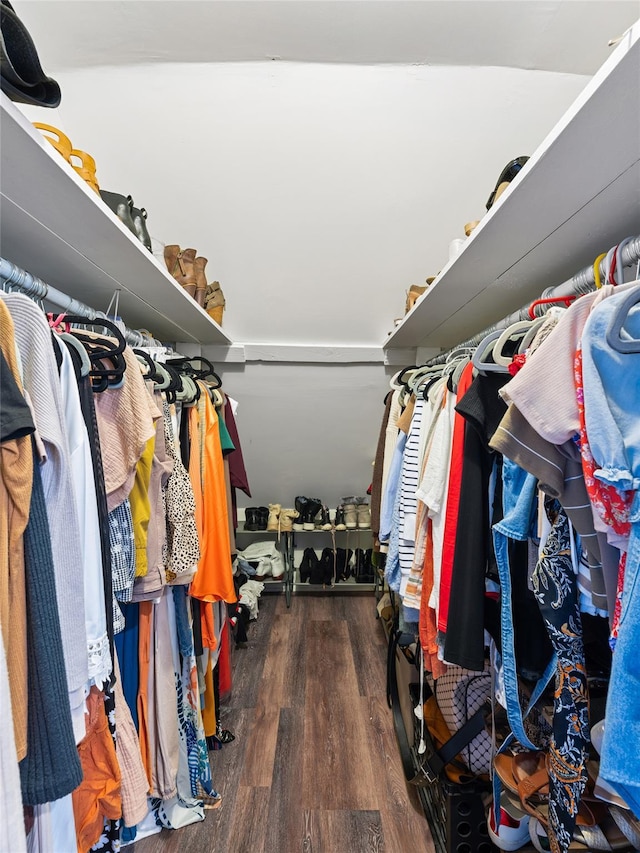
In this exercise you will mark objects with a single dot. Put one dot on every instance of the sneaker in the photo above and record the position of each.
(512, 834)
(350, 516)
(338, 521)
(364, 516)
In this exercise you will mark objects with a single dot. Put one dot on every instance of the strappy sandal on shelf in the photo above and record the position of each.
(525, 774)
(57, 138)
(86, 168)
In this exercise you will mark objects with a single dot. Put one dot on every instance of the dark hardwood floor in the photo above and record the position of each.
(314, 767)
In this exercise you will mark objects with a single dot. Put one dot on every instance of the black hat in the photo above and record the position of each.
(21, 75)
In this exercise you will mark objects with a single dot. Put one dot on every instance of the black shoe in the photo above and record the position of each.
(308, 565)
(263, 517)
(365, 570)
(251, 521)
(339, 519)
(343, 564)
(319, 569)
(506, 176)
(322, 520)
(328, 566)
(313, 507)
(301, 505)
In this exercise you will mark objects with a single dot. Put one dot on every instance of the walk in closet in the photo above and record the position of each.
(319, 374)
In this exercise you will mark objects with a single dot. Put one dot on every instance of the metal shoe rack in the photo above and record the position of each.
(339, 538)
(286, 583)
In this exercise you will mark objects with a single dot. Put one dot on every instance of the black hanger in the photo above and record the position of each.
(400, 377)
(100, 349)
(153, 373)
(616, 324)
(186, 365)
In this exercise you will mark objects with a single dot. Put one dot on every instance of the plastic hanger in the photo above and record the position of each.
(530, 334)
(513, 334)
(614, 336)
(421, 374)
(484, 350)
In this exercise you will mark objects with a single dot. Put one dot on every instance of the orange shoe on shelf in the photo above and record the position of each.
(57, 138)
(86, 168)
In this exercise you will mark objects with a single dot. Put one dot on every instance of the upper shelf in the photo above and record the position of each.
(54, 226)
(578, 195)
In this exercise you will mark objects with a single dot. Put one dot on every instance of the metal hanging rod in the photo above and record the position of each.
(33, 286)
(581, 283)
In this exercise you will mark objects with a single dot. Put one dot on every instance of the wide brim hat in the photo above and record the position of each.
(21, 75)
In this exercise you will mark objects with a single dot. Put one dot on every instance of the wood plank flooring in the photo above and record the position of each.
(314, 767)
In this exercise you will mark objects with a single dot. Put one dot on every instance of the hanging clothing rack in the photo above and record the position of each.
(581, 283)
(34, 287)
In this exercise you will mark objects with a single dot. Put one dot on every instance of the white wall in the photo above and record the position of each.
(307, 429)
(319, 194)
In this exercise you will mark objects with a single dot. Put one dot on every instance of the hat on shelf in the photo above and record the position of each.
(21, 75)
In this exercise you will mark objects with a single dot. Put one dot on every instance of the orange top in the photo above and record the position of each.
(213, 580)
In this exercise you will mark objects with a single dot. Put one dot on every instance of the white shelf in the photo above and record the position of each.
(578, 195)
(55, 227)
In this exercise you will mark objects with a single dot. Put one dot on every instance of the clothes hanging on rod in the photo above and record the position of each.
(115, 559)
(14, 276)
(581, 283)
(507, 510)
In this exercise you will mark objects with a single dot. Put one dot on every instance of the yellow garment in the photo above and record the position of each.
(141, 506)
(16, 477)
(213, 580)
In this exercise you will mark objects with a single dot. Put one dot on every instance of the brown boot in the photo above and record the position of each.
(214, 303)
(201, 280)
(180, 265)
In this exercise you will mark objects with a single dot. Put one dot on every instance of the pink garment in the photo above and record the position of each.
(543, 390)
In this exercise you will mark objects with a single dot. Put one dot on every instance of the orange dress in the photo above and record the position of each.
(213, 580)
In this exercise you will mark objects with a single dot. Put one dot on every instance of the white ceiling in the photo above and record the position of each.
(554, 35)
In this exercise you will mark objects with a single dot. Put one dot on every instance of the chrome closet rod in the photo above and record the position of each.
(581, 283)
(33, 286)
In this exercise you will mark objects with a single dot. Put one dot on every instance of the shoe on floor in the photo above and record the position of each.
(513, 832)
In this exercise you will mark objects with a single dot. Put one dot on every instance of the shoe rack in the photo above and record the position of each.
(287, 582)
(575, 197)
(57, 228)
(318, 539)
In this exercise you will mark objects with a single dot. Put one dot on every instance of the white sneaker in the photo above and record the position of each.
(512, 834)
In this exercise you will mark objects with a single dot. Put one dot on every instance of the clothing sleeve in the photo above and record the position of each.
(15, 415)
